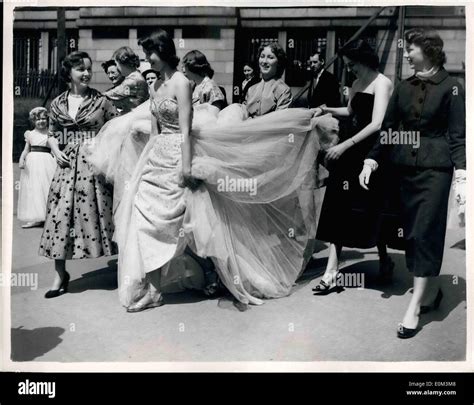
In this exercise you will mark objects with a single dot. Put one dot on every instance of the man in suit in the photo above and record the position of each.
(324, 88)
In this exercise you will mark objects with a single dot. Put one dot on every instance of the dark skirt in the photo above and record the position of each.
(424, 198)
(354, 217)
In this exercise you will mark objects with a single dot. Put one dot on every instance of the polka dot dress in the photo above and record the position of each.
(79, 210)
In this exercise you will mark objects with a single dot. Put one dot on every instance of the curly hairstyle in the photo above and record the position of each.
(107, 64)
(126, 57)
(73, 60)
(36, 112)
(361, 52)
(197, 63)
(430, 43)
(162, 44)
(280, 54)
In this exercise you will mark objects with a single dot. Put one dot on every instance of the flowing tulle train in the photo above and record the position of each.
(254, 213)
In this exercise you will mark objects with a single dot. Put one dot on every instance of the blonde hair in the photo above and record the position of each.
(36, 112)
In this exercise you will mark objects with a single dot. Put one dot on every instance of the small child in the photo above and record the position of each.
(38, 166)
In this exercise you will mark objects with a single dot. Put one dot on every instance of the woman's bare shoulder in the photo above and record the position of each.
(180, 79)
(383, 82)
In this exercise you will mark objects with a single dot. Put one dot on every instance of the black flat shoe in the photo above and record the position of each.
(63, 288)
(434, 306)
(406, 333)
(52, 294)
(324, 288)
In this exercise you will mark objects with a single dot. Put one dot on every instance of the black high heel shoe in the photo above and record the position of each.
(63, 288)
(324, 288)
(406, 333)
(435, 305)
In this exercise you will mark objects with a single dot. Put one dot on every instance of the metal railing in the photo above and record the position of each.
(34, 83)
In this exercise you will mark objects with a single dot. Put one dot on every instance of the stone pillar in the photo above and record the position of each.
(44, 51)
(330, 47)
(132, 38)
(282, 40)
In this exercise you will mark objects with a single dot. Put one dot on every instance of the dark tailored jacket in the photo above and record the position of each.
(253, 80)
(326, 92)
(434, 107)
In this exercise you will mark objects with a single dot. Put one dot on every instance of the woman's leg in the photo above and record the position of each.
(382, 249)
(332, 266)
(431, 291)
(412, 314)
(152, 297)
(328, 283)
(386, 264)
(61, 273)
(153, 280)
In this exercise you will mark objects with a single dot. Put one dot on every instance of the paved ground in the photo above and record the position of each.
(88, 324)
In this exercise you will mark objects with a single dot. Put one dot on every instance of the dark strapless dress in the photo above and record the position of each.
(351, 216)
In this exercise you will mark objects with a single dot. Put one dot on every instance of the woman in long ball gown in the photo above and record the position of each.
(152, 236)
(351, 216)
(252, 172)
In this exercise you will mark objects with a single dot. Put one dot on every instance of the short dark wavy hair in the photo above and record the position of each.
(161, 43)
(74, 59)
(251, 65)
(107, 64)
(279, 53)
(361, 52)
(126, 57)
(197, 63)
(430, 43)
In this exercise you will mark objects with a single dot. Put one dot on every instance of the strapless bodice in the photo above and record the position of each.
(166, 111)
(362, 104)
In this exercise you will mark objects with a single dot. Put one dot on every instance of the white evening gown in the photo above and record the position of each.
(251, 216)
(35, 179)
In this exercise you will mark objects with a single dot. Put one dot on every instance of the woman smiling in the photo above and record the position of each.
(271, 93)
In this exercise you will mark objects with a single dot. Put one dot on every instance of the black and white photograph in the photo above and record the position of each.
(235, 185)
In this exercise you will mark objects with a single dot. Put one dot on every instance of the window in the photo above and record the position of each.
(26, 46)
(110, 33)
(202, 32)
(143, 32)
(72, 41)
(301, 44)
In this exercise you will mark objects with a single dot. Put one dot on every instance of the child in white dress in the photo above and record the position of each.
(38, 166)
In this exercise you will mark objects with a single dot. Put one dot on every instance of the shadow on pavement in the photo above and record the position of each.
(460, 245)
(102, 279)
(316, 267)
(29, 344)
(454, 294)
(185, 297)
(454, 287)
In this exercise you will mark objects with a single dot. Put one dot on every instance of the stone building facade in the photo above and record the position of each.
(228, 36)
